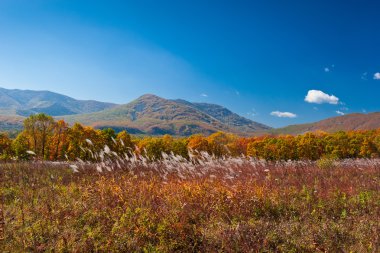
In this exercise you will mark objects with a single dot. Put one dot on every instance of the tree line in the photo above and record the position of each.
(47, 139)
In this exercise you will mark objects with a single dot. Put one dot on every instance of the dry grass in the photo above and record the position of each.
(205, 204)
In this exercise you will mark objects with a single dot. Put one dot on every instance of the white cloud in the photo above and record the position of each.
(204, 95)
(327, 69)
(319, 97)
(339, 112)
(283, 114)
(376, 76)
(364, 76)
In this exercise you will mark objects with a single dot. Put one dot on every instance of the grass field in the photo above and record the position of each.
(211, 206)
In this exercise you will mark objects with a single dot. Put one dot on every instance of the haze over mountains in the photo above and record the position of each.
(26, 102)
(153, 115)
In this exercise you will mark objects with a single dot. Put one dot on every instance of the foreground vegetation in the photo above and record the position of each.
(206, 204)
(78, 189)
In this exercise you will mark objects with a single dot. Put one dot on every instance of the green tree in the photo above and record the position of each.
(20, 146)
(179, 147)
(109, 137)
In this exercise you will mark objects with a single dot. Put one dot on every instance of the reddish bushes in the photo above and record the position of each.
(282, 207)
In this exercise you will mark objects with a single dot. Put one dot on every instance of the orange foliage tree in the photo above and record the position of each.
(56, 140)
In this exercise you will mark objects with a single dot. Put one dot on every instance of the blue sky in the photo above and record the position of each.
(257, 58)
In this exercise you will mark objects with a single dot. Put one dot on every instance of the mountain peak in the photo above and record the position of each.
(151, 114)
(149, 96)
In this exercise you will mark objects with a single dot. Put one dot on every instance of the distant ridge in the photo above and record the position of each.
(354, 121)
(26, 102)
(11, 123)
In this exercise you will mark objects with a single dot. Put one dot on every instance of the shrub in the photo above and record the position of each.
(326, 162)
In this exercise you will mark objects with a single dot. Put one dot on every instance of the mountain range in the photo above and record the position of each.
(153, 115)
(150, 114)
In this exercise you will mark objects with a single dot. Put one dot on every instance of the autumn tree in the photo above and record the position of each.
(286, 148)
(84, 142)
(152, 147)
(198, 143)
(238, 146)
(338, 145)
(124, 144)
(59, 140)
(55, 140)
(256, 146)
(5, 146)
(76, 140)
(368, 149)
(219, 143)
(309, 146)
(39, 128)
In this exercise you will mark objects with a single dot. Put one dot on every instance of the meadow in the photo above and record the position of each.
(201, 204)
(79, 189)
